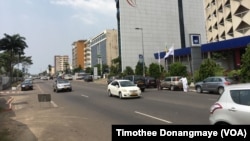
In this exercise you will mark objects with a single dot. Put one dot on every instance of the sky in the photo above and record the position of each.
(51, 26)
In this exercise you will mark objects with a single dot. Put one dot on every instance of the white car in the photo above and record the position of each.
(233, 106)
(68, 77)
(123, 89)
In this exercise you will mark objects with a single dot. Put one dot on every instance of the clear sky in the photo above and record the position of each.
(51, 26)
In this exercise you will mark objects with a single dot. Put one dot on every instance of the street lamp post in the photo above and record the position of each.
(19, 54)
(143, 61)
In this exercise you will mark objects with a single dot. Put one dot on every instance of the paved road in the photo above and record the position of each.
(39, 116)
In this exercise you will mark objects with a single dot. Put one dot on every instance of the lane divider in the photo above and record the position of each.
(9, 102)
(153, 117)
(84, 95)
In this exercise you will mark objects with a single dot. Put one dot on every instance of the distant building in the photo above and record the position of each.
(104, 48)
(61, 62)
(78, 54)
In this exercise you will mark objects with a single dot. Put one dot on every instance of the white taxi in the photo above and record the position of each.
(123, 89)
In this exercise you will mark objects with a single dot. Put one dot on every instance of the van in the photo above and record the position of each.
(138, 80)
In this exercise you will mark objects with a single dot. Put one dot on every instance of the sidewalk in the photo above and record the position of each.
(101, 81)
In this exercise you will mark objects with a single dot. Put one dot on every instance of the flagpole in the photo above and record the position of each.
(167, 64)
(173, 52)
(159, 57)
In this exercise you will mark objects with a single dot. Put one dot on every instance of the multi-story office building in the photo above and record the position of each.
(227, 19)
(78, 54)
(61, 62)
(146, 27)
(103, 47)
(228, 30)
(87, 54)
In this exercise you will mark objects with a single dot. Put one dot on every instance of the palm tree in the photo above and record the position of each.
(66, 64)
(12, 45)
(49, 68)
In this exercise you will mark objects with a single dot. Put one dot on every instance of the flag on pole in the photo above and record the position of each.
(170, 51)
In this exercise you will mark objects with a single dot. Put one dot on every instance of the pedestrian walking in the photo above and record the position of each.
(184, 83)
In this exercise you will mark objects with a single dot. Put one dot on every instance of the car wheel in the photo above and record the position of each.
(120, 95)
(142, 90)
(220, 90)
(198, 89)
(172, 88)
(56, 90)
(109, 93)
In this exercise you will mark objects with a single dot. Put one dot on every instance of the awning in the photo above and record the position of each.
(240, 42)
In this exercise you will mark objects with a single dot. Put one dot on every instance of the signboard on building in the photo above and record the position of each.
(195, 40)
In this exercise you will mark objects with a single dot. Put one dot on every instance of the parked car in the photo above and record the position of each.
(213, 84)
(138, 80)
(123, 89)
(110, 79)
(62, 85)
(68, 77)
(232, 107)
(150, 82)
(172, 83)
(88, 78)
(27, 84)
(44, 78)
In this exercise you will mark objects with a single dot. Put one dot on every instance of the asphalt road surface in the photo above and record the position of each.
(88, 113)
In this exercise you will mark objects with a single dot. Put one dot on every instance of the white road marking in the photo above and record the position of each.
(153, 117)
(39, 88)
(53, 104)
(84, 95)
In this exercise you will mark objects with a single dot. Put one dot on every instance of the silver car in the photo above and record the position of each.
(62, 85)
(172, 83)
(213, 84)
(233, 106)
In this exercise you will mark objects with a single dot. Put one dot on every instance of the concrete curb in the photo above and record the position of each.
(9, 103)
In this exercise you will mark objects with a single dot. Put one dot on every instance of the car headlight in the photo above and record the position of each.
(124, 90)
(23, 85)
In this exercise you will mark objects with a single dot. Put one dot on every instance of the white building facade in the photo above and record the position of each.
(146, 27)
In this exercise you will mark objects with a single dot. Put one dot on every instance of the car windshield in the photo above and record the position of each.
(126, 83)
(62, 81)
(26, 81)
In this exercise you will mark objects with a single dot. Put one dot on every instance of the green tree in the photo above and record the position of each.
(115, 67)
(128, 71)
(207, 68)
(177, 69)
(139, 68)
(66, 69)
(155, 70)
(245, 66)
(13, 46)
(89, 70)
(78, 69)
(49, 68)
